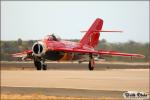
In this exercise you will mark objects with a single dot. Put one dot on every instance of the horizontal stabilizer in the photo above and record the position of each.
(105, 31)
(111, 31)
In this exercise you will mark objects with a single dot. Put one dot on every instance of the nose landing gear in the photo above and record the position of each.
(39, 63)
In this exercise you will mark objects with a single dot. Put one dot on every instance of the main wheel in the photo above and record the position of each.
(91, 65)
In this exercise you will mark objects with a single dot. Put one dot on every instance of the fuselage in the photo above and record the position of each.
(45, 48)
(53, 48)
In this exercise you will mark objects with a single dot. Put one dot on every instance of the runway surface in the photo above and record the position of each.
(104, 81)
(63, 92)
(74, 65)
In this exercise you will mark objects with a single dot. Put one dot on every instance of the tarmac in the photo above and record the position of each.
(81, 83)
(74, 65)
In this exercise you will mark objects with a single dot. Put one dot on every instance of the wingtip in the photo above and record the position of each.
(140, 56)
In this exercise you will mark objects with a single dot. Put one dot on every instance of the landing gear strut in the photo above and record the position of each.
(39, 63)
(91, 62)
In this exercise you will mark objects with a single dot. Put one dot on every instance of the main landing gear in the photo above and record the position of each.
(39, 63)
(91, 62)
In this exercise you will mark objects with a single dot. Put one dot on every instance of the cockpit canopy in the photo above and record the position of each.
(52, 37)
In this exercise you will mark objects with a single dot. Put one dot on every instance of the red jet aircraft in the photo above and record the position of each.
(55, 49)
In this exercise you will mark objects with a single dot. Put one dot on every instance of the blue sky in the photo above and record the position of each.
(35, 19)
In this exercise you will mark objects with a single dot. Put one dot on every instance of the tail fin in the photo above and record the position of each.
(91, 37)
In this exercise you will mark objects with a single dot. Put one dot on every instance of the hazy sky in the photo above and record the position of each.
(35, 19)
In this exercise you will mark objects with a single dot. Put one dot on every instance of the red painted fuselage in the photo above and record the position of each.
(55, 49)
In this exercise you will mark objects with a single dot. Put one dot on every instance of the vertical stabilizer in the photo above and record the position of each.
(91, 37)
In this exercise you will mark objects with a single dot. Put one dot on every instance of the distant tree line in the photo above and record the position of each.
(10, 47)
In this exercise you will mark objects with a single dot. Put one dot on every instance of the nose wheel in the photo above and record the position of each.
(44, 66)
(91, 62)
(39, 64)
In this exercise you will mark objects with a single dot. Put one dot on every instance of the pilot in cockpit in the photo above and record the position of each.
(51, 37)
